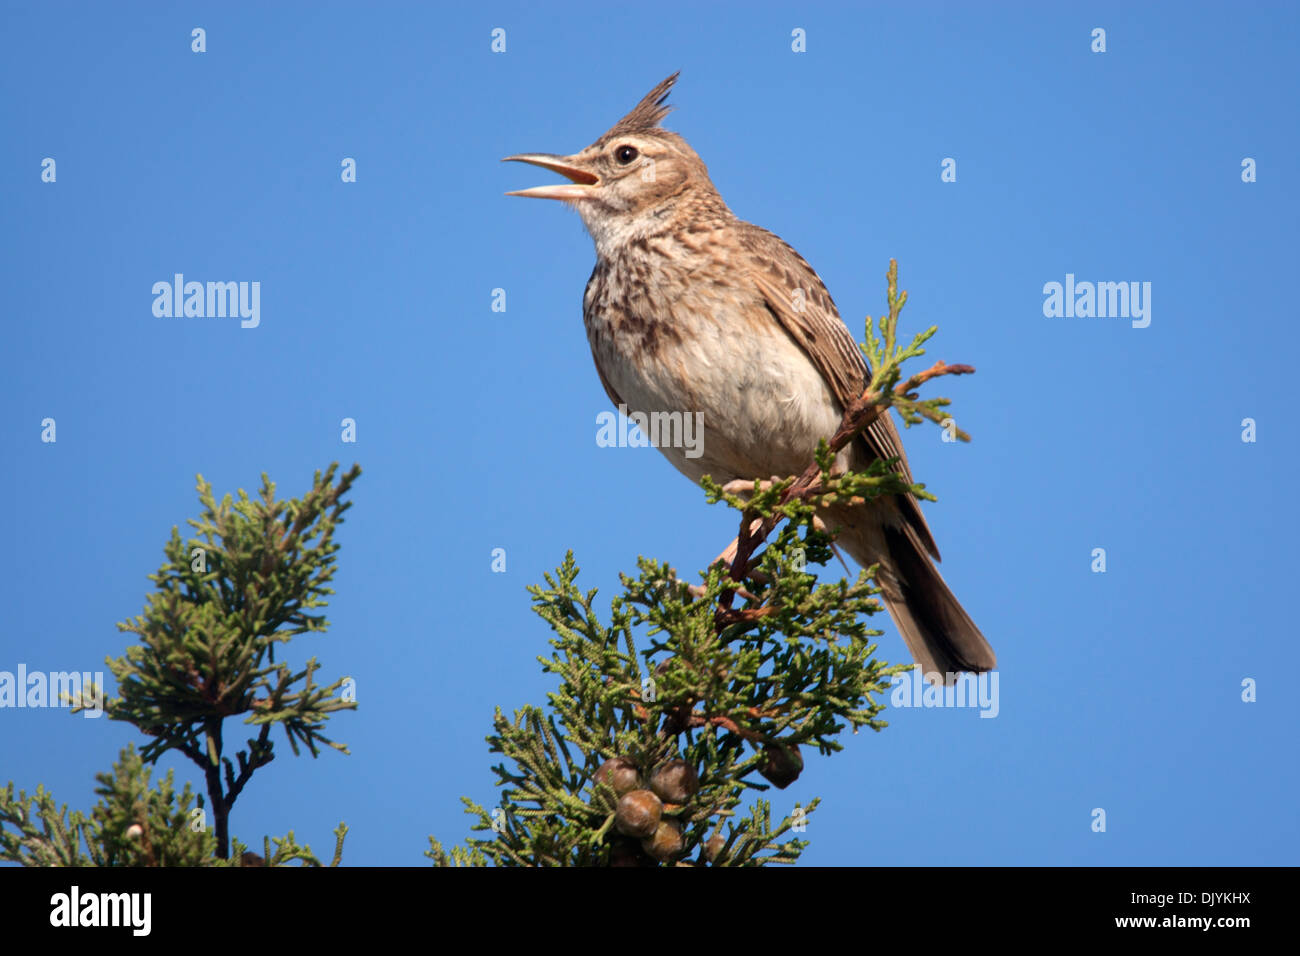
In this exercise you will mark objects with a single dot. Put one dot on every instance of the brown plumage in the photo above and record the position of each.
(690, 309)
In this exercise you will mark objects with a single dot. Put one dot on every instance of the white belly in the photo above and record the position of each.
(761, 403)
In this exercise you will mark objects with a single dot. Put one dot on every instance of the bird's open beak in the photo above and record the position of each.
(581, 184)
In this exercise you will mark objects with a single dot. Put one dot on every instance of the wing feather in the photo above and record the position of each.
(798, 299)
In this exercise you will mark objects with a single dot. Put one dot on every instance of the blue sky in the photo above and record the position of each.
(476, 429)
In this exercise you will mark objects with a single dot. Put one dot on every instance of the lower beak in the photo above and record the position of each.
(581, 185)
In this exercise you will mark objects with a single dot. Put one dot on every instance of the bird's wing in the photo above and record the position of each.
(593, 279)
(796, 297)
(609, 389)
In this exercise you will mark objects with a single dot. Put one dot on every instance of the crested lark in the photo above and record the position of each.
(690, 309)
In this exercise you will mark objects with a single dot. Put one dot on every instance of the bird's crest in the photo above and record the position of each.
(647, 114)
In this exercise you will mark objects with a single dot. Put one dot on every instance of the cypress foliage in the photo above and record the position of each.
(222, 601)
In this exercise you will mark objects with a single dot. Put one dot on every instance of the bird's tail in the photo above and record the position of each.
(938, 632)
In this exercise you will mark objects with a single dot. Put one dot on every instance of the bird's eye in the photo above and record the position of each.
(625, 154)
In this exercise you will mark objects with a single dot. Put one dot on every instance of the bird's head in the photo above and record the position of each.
(633, 179)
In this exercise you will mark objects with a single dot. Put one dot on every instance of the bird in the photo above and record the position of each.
(690, 309)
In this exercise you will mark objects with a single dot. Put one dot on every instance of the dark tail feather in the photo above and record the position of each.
(936, 628)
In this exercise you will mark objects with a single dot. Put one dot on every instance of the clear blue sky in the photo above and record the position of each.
(476, 429)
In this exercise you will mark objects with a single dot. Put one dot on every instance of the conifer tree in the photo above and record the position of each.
(223, 601)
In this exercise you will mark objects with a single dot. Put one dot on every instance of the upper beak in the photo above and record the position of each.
(581, 185)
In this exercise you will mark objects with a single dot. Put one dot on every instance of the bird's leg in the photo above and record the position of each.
(820, 525)
(728, 555)
(743, 487)
(697, 590)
